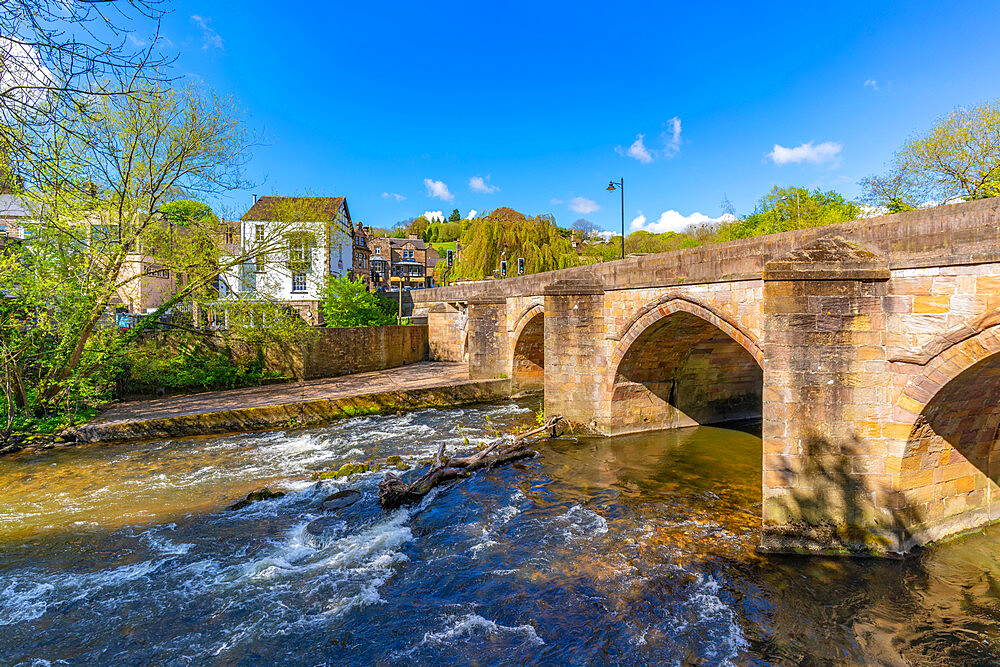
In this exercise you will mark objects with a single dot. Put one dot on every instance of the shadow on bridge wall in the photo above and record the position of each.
(825, 504)
(528, 368)
(949, 469)
(682, 371)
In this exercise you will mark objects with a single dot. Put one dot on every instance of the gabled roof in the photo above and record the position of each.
(296, 209)
(14, 206)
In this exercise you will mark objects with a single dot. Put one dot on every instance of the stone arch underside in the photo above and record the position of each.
(528, 358)
(950, 467)
(683, 370)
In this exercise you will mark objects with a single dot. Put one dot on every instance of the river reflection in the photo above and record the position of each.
(629, 550)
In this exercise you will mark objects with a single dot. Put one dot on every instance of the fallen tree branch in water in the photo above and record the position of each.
(394, 492)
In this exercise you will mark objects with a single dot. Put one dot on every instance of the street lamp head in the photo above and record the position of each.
(611, 186)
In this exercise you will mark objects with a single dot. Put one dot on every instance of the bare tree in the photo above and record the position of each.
(57, 56)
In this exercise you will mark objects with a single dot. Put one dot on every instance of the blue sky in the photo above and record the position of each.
(399, 106)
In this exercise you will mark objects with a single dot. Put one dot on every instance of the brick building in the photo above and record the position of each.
(362, 255)
(402, 263)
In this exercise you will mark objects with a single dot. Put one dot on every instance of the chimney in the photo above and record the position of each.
(255, 199)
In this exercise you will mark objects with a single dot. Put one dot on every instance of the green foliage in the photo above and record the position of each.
(193, 367)
(184, 211)
(505, 233)
(957, 159)
(784, 209)
(455, 216)
(348, 303)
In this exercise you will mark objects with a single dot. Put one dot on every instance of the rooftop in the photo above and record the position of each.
(295, 209)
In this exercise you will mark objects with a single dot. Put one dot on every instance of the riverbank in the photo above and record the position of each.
(421, 385)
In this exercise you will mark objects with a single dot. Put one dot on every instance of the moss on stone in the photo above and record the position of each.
(345, 470)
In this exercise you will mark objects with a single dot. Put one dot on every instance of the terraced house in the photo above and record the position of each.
(306, 240)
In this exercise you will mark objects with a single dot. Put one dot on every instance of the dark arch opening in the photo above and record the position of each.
(529, 355)
(951, 465)
(682, 371)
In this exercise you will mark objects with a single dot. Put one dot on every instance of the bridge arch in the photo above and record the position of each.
(949, 469)
(678, 363)
(528, 352)
(668, 304)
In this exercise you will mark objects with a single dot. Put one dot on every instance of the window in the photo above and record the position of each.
(408, 254)
(158, 272)
(228, 235)
(259, 233)
(259, 263)
(299, 282)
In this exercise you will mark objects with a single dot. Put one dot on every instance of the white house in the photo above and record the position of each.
(305, 239)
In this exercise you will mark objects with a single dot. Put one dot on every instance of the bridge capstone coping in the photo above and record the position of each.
(832, 258)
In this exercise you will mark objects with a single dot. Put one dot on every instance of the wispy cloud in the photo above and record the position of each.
(670, 139)
(393, 195)
(583, 205)
(210, 39)
(828, 151)
(480, 184)
(438, 189)
(673, 221)
(872, 83)
(431, 216)
(636, 150)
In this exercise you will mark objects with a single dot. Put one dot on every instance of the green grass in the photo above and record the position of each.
(443, 248)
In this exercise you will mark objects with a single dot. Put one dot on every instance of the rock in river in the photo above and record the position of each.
(323, 524)
(340, 500)
(254, 496)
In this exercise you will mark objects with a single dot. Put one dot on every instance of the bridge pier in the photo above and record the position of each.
(575, 358)
(489, 355)
(826, 389)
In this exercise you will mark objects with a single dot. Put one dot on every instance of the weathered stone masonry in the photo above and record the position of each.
(871, 350)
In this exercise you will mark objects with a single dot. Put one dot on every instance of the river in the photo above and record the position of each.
(630, 550)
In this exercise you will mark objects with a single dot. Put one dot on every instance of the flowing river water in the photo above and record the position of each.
(629, 550)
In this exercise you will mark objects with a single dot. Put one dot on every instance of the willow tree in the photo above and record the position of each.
(508, 235)
(958, 159)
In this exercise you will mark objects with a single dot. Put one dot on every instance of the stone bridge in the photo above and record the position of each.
(870, 349)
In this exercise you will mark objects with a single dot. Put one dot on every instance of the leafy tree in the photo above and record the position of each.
(957, 159)
(507, 234)
(455, 216)
(348, 303)
(783, 209)
(104, 221)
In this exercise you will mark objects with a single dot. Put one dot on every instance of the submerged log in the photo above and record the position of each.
(394, 492)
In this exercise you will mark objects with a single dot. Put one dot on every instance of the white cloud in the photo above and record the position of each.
(23, 77)
(472, 214)
(210, 39)
(606, 235)
(670, 136)
(434, 215)
(637, 150)
(673, 221)
(583, 205)
(479, 184)
(438, 189)
(393, 195)
(817, 154)
(872, 83)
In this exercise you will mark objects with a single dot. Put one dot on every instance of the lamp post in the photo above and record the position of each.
(620, 185)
